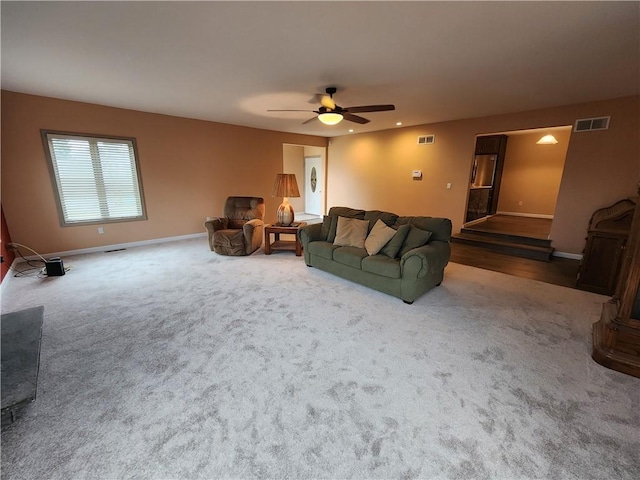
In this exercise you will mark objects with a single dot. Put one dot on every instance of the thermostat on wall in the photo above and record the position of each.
(417, 174)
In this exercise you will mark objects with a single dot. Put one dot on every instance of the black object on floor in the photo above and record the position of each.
(20, 360)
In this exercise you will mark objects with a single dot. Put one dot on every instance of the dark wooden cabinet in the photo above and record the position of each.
(491, 144)
(616, 336)
(483, 202)
(603, 254)
(478, 204)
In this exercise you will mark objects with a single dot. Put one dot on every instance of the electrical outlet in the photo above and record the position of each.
(100, 230)
(448, 186)
(519, 203)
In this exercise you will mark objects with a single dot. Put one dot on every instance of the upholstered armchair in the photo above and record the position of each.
(239, 231)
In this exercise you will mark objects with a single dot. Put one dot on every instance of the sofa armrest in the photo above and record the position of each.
(215, 223)
(212, 225)
(249, 227)
(432, 256)
(253, 231)
(310, 233)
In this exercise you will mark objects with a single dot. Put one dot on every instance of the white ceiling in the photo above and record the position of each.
(231, 61)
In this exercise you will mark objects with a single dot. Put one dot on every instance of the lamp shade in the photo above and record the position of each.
(330, 118)
(547, 140)
(285, 186)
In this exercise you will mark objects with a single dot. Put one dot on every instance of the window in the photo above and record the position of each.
(96, 178)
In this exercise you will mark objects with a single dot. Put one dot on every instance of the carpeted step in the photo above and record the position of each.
(497, 243)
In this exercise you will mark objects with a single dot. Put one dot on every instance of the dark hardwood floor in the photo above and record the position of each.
(558, 271)
(511, 224)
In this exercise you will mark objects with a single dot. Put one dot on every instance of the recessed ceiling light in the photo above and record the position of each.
(398, 123)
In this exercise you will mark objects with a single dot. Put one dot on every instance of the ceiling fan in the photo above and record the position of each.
(331, 114)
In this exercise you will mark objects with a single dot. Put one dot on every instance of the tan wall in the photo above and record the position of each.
(532, 173)
(373, 170)
(293, 162)
(188, 168)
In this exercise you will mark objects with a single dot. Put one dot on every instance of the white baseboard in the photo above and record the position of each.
(118, 246)
(531, 215)
(477, 220)
(10, 275)
(572, 256)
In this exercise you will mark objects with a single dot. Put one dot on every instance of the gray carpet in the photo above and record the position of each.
(172, 362)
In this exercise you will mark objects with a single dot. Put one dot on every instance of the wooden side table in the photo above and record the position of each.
(277, 230)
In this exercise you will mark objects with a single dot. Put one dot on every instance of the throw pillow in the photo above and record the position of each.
(378, 237)
(351, 232)
(415, 238)
(392, 248)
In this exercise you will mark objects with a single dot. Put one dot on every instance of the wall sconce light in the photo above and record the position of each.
(547, 140)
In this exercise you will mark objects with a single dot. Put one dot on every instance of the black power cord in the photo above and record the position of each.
(36, 269)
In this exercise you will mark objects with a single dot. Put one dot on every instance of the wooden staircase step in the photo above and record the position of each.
(508, 237)
(499, 244)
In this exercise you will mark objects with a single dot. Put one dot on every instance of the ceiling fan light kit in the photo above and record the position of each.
(330, 118)
(331, 114)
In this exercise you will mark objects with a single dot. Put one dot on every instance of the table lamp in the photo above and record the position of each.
(285, 186)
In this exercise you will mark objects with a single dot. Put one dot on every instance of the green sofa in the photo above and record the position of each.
(407, 275)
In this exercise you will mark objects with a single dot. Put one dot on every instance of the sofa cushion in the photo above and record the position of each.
(378, 237)
(373, 216)
(346, 212)
(415, 238)
(336, 212)
(326, 227)
(382, 265)
(351, 256)
(351, 232)
(394, 245)
(322, 249)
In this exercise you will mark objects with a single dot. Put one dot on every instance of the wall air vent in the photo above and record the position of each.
(587, 124)
(426, 139)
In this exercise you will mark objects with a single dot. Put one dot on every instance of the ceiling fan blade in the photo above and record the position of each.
(289, 110)
(310, 120)
(328, 102)
(354, 118)
(370, 108)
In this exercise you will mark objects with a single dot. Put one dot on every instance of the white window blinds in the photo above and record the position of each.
(96, 178)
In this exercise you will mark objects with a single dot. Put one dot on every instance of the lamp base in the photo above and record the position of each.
(285, 214)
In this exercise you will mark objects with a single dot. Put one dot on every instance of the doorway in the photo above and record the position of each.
(308, 163)
(313, 185)
(528, 178)
(518, 205)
